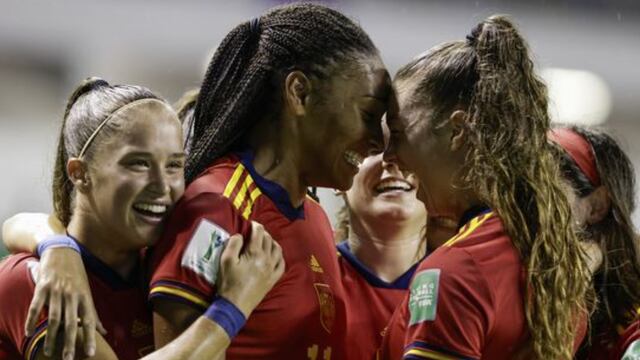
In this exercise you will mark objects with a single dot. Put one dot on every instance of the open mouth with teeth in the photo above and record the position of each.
(353, 158)
(154, 212)
(391, 185)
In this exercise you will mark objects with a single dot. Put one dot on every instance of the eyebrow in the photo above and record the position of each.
(146, 153)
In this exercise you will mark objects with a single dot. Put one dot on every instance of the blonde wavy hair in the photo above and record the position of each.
(511, 167)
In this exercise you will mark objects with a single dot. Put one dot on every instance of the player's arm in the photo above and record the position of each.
(103, 352)
(450, 310)
(22, 232)
(244, 281)
(61, 283)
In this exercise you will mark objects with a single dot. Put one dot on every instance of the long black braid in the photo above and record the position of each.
(242, 83)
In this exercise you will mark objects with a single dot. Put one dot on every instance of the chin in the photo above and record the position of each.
(393, 211)
(147, 237)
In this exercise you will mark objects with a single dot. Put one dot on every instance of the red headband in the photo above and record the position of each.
(579, 150)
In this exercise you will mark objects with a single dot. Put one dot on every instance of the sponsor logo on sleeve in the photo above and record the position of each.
(423, 300)
(202, 255)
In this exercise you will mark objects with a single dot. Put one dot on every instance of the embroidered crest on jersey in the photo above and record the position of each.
(633, 351)
(315, 265)
(327, 306)
(423, 300)
(205, 247)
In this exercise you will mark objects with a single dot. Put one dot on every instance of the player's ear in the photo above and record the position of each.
(599, 205)
(458, 134)
(77, 171)
(297, 88)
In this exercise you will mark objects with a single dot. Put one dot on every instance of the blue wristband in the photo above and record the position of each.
(227, 315)
(56, 241)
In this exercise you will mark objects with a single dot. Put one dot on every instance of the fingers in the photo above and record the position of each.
(267, 242)
(53, 323)
(279, 268)
(232, 250)
(70, 327)
(257, 237)
(276, 253)
(89, 322)
(101, 329)
(35, 308)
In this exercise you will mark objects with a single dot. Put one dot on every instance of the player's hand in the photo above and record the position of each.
(62, 285)
(247, 277)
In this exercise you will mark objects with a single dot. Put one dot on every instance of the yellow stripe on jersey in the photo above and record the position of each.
(242, 193)
(429, 354)
(34, 342)
(180, 293)
(234, 181)
(467, 230)
(252, 199)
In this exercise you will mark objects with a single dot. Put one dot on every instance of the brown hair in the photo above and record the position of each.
(491, 76)
(244, 77)
(88, 106)
(617, 282)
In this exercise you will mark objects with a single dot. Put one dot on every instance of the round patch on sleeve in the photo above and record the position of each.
(202, 255)
(633, 351)
(423, 300)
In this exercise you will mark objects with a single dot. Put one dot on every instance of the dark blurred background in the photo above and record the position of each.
(587, 50)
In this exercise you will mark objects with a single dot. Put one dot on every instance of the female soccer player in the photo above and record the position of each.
(603, 180)
(118, 172)
(291, 99)
(384, 239)
(473, 126)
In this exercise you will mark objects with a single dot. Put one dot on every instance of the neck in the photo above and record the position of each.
(389, 250)
(98, 240)
(462, 202)
(276, 160)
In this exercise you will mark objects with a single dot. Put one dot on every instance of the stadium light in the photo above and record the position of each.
(577, 96)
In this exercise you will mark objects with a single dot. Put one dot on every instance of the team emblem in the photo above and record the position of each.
(327, 306)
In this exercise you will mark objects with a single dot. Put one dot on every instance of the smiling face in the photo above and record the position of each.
(344, 125)
(381, 191)
(137, 174)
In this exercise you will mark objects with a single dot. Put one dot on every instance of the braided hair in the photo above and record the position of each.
(243, 80)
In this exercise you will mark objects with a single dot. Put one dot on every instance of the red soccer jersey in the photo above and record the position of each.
(372, 301)
(121, 306)
(466, 300)
(303, 316)
(628, 345)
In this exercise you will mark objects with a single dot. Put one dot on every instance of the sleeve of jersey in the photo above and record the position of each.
(16, 291)
(186, 261)
(628, 346)
(450, 310)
